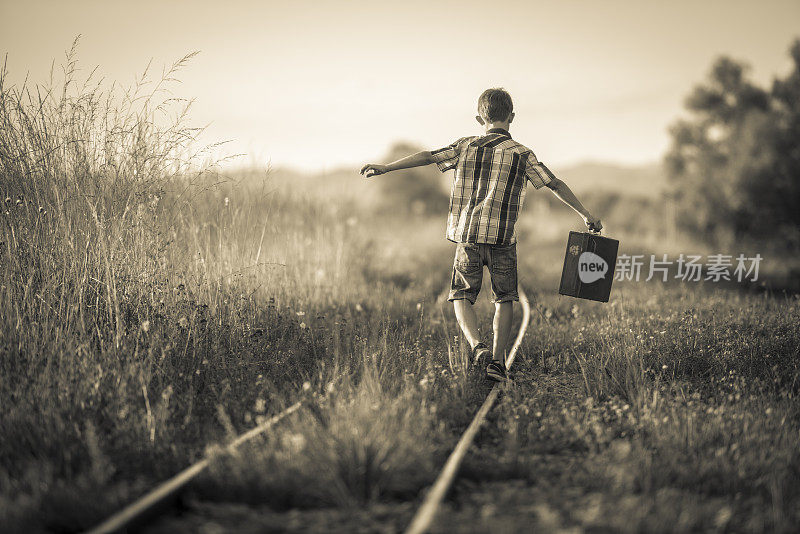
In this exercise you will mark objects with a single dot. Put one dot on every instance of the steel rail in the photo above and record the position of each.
(425, 514)
(137, 510)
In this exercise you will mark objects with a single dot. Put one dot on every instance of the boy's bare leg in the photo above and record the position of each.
(467, 320)
(503, 314)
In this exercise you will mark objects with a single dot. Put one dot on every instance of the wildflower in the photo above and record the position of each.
(306, 385)
(359, 308)
(261, 405)
(301, 313)
(227, 201)
(145, 326)
(295, 442)
(664, 367)
(303, 326)
(419, 306)
(183, 322)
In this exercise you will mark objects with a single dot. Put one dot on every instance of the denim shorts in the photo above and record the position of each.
(468, 271)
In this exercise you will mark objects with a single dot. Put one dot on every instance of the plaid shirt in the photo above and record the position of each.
(489, 186)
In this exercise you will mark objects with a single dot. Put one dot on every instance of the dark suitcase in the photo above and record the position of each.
(589, 266)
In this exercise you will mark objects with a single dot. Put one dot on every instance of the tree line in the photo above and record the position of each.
(734, 163)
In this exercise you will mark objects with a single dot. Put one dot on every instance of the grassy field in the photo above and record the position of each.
(150, 313)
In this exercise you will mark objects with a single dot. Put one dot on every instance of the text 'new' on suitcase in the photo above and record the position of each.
(589, 265)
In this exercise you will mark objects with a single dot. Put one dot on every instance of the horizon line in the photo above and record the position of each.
(348, 167)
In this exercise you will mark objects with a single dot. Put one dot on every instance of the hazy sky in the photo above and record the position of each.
(322, 84)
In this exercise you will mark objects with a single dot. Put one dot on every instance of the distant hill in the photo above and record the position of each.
(645, 180)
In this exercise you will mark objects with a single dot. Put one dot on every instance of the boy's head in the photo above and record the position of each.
(495, 105)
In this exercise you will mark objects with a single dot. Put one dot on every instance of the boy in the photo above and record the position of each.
(488, 190)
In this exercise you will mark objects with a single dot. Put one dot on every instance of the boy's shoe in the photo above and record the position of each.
(480, 353)
(496, 371)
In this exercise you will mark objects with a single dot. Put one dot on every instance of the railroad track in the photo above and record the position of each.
(146, 506)
(132, 515)
(427, 511)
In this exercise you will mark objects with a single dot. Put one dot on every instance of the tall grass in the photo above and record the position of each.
(127, 291)
(85, 171)
(144, 294)
(91, 177)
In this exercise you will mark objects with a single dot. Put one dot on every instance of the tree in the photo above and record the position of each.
(734, 165)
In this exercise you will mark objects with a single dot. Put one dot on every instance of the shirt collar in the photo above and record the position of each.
(498, 131)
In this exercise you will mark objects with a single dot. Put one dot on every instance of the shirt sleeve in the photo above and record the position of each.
(447, 158)
(536, 171)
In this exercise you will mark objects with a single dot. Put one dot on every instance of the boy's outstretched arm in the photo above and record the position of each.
(565, 195)
(414, 160)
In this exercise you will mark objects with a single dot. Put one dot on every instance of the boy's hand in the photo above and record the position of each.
(373, 169)
(593, 223)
